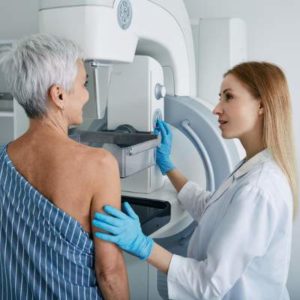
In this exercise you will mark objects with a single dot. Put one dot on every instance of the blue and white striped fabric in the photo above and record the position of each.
(44, 253)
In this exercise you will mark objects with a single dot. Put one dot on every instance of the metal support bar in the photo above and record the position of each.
(203, 153)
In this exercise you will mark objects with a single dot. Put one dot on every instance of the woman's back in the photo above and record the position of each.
(60, 169)
(45, 252)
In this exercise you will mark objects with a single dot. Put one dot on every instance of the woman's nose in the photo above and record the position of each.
(217, 110)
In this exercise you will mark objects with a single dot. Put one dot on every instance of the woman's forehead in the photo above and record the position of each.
(81, 68)
(230, 82)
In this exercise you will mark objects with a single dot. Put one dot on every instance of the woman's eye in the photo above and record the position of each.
(228, 96)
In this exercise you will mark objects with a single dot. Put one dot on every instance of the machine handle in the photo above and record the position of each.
(148, 145)
(203, 153)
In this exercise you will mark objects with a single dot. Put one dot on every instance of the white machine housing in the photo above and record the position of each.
(144, 97)
(95, 25)
(135, 97)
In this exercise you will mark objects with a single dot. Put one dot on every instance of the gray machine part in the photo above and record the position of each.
(6, 102)
(153, 214)
(198, 124)
(6, 123)
(7, 130)
(134, 151)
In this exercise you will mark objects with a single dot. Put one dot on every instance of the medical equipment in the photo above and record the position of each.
(141, 50)
(6, 104)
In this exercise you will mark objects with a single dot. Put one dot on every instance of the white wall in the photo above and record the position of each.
(273, 32)
(18, 18)
(273, 35)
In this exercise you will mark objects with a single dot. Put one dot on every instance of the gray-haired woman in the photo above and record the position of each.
(50, 186)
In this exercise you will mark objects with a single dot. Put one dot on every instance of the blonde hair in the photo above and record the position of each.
(267, 82)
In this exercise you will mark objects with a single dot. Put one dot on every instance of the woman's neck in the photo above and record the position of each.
(253, 140)
(252, 147)
(49, 124)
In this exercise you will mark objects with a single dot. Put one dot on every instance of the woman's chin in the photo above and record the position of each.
(226, 135)
(77, 122)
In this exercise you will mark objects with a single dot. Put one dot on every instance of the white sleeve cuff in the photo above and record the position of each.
(186, 191)
(174, 290)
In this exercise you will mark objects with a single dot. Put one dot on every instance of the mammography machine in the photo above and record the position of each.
(139, 56)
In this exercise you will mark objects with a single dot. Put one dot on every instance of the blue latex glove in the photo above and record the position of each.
(123, 230)
(164, 150)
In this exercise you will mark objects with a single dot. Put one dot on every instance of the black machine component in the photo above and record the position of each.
(153, 214)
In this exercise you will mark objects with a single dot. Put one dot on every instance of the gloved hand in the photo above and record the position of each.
(164, 150)
(123, 230)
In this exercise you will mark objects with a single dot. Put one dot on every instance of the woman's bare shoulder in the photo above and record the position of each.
(94, 159)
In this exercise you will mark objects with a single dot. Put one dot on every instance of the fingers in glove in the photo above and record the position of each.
(129, 211)
(107, 219)
(166, 127)
(104, 226)
(162, 130)
(156, 129)
(114, 212)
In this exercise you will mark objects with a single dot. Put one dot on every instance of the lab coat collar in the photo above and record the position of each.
(245, 165)
(241, 169)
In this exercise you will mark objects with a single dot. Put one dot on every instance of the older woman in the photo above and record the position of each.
(50, 186)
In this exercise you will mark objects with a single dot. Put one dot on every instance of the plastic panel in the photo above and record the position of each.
(223, 154)
(47, 4)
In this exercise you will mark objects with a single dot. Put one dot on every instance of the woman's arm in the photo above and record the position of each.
(109, 262)
(160, 258)
(177, 179)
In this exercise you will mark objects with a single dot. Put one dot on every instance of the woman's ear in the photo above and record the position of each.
(56, 96)
(261, 108)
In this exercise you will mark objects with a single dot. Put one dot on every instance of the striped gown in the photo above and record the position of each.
(44, 253)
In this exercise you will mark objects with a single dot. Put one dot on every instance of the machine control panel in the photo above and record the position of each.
(124, 14)
(160, 91)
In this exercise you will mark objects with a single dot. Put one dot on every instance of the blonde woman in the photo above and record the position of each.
(241, 246)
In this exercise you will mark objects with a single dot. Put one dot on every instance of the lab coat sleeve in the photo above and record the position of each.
(243, 234)
(193, 199)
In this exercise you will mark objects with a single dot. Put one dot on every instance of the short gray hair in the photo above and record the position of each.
(36, 63)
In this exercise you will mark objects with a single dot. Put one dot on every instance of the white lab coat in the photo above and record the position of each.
(241, 246)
